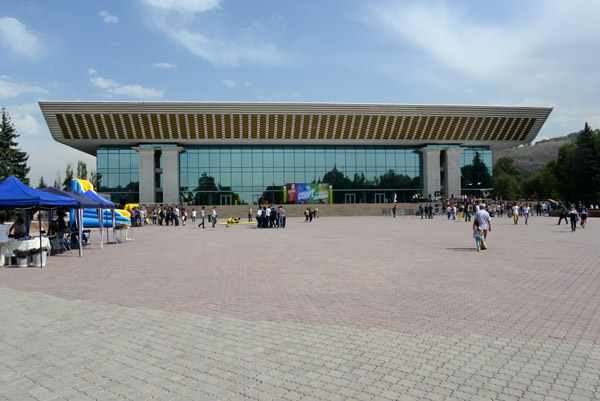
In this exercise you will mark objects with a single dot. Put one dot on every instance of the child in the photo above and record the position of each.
(477, 234)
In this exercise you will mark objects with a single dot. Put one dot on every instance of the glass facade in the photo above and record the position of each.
(249, 172)
(476, 170)
(223, 174)
(118, 173)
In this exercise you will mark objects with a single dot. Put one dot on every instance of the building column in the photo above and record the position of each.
(431, 171)
(146, 174)
(170, 157)
(452, 185)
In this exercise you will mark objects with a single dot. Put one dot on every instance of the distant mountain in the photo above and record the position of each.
(530, 158)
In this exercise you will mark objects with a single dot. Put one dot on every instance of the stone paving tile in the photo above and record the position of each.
(343, 308)
(113, 351)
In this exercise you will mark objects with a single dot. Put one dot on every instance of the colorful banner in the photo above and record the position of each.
(307, 193)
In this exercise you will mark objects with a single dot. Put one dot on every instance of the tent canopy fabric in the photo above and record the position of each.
(106, 204)
(15, 194)
(83, 202)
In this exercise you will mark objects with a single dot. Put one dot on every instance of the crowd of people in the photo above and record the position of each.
(269, 217)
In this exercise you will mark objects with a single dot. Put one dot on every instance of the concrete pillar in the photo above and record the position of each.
(170, 156)
(146, 174)
(431, 171)
(452, 175)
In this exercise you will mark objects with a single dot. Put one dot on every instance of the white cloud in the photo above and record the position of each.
(108, 18)
(20, 41)
(110, 86)
(226, 53)
(229, 83)
(24, 119)
(185, 6)
(164, 65)
(91, 71)
(8, 88)
(176, 19)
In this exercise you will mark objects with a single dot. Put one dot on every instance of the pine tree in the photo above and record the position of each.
(587, 166)
(82, 170)
(12, 160)
(42, 183)
(69, 176)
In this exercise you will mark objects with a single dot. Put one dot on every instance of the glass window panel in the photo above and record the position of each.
(113, 160)
(268, 159)
(278, 158)
(135, 160)
(309, 158)
(246, 179)
(257, 179)
(299, 176)
(320, 159)
(193, 178)
(246, 159)
(214, 160)
(101, 161)
(289, 176)
(288, 158)
(299, 159)
(236, 179)
(370, 159)
(268, 177)
(257, 161)
(278, 178)
(350, 159)
(183, 160)
(183, 180)
(203, 161)
(225, 158)
(226, 179)
(236, 159)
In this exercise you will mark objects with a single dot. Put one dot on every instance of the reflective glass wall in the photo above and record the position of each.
(476, 170)
(118, 173)
(249, 172)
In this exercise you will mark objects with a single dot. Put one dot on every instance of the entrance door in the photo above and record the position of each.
(226, 200)
(350, 198)
(380, 198)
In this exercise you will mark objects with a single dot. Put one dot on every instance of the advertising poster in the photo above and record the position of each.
(307, 193)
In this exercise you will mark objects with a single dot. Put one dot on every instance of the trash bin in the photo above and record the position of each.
(209, 218)
(22, 258)
(39, 258)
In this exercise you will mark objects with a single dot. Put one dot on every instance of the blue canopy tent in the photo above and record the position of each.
(83, 202)
(16, 195)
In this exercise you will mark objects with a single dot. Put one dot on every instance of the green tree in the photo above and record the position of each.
(42, 183)
(12, 160)
(507, 183)
(94, 178)
(69, 174)
(82, 170)
(587, 166)
(564, 172)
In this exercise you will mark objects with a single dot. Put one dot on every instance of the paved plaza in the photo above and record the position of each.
(355, 308)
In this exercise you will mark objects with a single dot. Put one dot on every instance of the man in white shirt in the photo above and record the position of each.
(485, 222)
(515, 213)
(214, 216)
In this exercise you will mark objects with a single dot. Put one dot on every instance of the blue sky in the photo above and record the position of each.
(517, 53)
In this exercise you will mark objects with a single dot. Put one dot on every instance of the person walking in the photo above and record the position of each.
(202, 215)
(394, 211)
(250, 215)
(574, 216)
(563, 214)
(281, 214)
(193, 215)
(214, 216)
(515, 212)
(482, 217)
(526, 211)
(477, 234)
(583, 216)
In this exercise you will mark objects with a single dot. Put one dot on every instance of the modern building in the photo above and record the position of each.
(223, 152)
